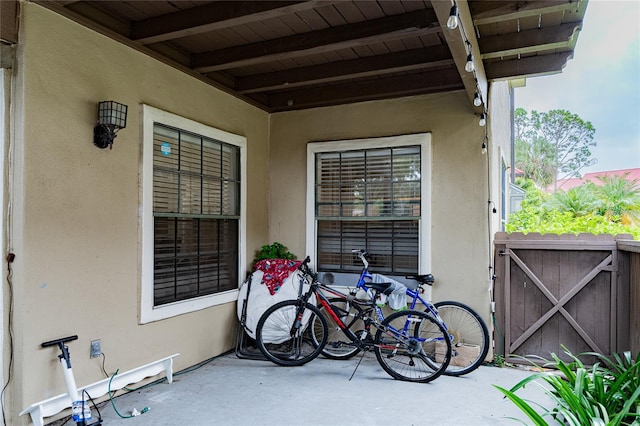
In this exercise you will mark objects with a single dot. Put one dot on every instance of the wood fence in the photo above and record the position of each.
(631, 249)
(555, 291)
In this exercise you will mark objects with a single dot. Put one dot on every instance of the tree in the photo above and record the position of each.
(552, 145)
(535, 158)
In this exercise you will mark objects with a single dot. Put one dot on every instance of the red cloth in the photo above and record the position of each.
(275, 272)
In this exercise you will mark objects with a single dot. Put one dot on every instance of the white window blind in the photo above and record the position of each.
(368, 199)
(196, 211)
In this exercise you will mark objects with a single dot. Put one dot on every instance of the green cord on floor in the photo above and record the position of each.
(113, 403)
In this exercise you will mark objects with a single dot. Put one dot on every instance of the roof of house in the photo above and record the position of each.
(566, 184)
(287, 55)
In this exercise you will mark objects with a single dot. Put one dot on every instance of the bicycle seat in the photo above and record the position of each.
(384, 288)
(422, 279)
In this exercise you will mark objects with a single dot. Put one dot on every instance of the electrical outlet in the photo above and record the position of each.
(96, 348)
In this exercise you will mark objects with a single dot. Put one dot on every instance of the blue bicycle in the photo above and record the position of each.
(467, 331)
(409, 345)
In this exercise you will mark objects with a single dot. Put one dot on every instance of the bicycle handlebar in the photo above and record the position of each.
(305, 269)
(362, 254)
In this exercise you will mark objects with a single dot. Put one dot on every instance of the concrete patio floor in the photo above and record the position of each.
(232, 391)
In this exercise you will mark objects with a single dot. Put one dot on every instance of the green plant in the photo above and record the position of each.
(620, 198)
(576, 211)
(499, 361)
(607, 393)
(578, 201)
(273, 251)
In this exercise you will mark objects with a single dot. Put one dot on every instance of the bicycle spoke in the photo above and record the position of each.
(286, 341)
(412, 355)
(469, 337)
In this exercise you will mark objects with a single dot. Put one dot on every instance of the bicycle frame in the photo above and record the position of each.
(318, 289)
(406, 344)
(465, 328)
(413, 294)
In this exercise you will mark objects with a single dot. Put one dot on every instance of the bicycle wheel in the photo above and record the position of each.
(470, 337)
(412, 346)
(285, 340)
(338, 345)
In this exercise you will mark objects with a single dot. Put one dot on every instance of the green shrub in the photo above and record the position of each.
(273, 251)
(607, 393)
(571, 212)
(556, 222)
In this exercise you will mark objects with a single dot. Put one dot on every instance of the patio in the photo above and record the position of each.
(233, 391)
(373, 77)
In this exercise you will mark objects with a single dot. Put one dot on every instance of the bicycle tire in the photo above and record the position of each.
(338, 345)
(427, 353)
(279, 344)
(470, 343)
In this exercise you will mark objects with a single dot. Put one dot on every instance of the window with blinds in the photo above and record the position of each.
(196, 212)
(368, 199)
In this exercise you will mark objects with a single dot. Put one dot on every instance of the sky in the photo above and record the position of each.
(601, 84)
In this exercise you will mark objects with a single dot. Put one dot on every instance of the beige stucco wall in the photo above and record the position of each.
(74, 213)
(460, 243)
(75, 209)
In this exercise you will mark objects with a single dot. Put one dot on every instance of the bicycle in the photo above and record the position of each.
(467, 331)
(294, 332)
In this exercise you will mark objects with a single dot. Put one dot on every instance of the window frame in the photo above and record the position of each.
(421, 139)
(149, 312)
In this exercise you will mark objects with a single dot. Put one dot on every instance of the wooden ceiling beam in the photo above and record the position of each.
(416, 23)
(528, 67)
(457, 42)
(540, 51)
(491, 12)
(91, 15)
(380, 88)
(529, 41)
(211, 17)
(9, 10)
(438, 56)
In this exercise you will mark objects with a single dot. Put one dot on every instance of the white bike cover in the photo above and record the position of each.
(260, 299)
(398, 296)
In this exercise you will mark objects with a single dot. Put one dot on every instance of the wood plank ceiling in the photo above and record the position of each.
(288, 55)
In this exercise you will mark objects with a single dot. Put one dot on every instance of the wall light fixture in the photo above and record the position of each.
(112, 117)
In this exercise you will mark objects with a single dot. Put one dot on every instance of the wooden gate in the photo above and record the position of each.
(554, 291)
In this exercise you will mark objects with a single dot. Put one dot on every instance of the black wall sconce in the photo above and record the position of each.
(112, 117)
